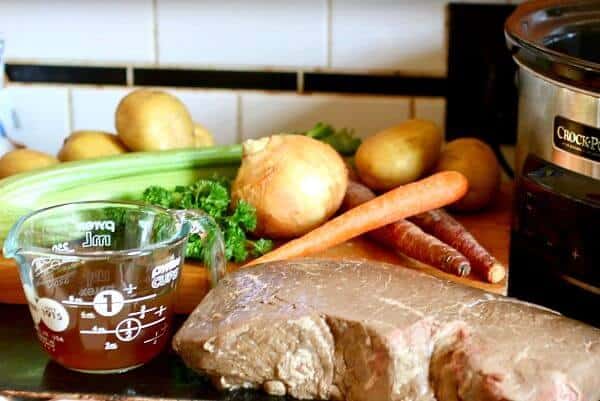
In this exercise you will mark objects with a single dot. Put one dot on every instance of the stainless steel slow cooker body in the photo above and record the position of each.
(541, 100)
(557, 47)
(556, 217)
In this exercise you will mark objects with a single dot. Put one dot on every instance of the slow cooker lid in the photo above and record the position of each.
(559, 39)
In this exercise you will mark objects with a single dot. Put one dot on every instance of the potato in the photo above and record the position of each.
(89, 144)
(399, 154)
(202, 137)
(21, 160)
(153, 120)
(476, 161)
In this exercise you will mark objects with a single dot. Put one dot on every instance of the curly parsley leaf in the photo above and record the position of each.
(157, 196)
(244, 216)
(213, 197)
(260, 246)
(235, 243)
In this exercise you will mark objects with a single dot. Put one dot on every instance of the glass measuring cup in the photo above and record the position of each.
(100, 278)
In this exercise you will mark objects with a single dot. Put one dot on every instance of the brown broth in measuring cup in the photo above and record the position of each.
(103, 315)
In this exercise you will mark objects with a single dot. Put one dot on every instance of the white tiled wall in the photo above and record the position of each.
(49, 113)
(311, 35)
(217, 111)
(431, 108)
(284, 33)
(94, 108)
(407, 36)
(43, 113)
(78, 31)
(384, 35)
(265, 114)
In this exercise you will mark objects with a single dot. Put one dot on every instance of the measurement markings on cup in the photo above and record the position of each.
(157, 335)
(126, 330)
(106, 303)
(75, 302)
(142, 312)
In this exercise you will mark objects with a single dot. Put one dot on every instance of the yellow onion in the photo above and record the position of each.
(295, 183)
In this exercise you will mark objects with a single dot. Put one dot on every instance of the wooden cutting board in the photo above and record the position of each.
(491, 228)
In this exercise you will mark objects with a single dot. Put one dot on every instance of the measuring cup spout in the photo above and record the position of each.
(196, 222)
(12, 248)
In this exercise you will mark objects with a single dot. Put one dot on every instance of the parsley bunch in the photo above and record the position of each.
(214, 198)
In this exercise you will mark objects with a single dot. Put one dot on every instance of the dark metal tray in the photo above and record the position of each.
(27, 373)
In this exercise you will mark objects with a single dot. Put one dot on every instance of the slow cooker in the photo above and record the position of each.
(556, 221)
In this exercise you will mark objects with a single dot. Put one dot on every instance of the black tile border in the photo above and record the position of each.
(66, 74)
(374, 84)
(313, 82)
(284, 81)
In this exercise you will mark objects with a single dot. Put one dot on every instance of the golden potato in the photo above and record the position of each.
(476, 161)
(153, 120)
(399, 154)
(21, 160)
(90, 144)
(202, 137)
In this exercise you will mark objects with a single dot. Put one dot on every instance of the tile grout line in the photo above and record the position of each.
(70, 120)
(300, 82)
(155, 30)
(239, 132)
(329, 23)
(129, 75)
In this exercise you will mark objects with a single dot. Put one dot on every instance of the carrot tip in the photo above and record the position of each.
(497, 273)
(464, 269)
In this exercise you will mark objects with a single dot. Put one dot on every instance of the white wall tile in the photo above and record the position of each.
(432, 109)
(94, 30)
(242, 33)
(43, 113)
(94, 108)
(217, 111)
(399, 35)
(5, 146)
(266, 114)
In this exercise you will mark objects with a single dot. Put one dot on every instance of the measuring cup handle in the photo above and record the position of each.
(212, 240)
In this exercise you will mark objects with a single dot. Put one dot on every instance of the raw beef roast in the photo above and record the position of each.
(368, 331)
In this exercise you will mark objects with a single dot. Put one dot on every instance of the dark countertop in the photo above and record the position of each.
(27, 373)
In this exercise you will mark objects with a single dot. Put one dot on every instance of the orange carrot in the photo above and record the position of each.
(406, 237)
(446, 228)
(429, 193)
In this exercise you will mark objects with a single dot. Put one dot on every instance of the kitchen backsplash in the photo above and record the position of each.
(243, 68)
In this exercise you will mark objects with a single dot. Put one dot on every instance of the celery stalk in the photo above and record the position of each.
(112, 178)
